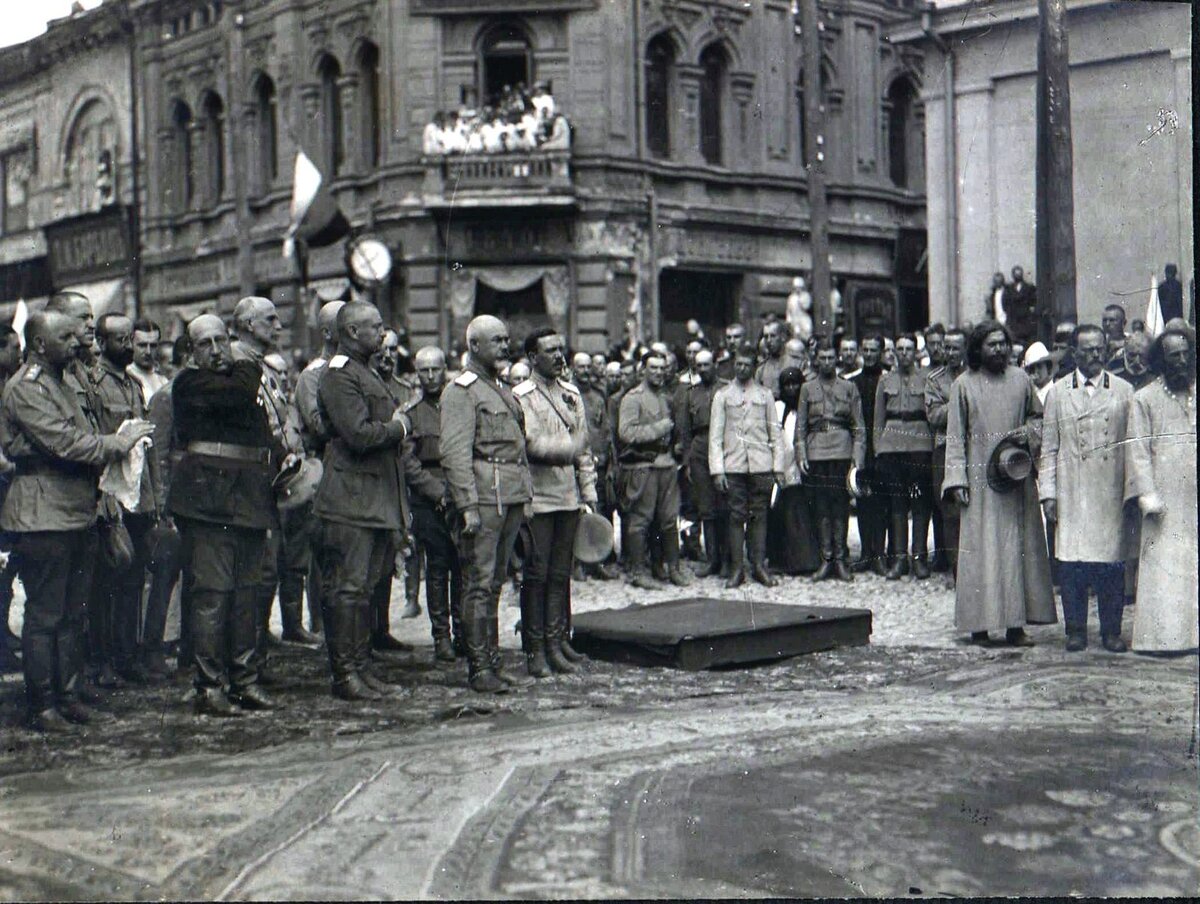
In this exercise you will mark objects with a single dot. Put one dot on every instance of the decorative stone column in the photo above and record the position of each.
(741, 89)
(686, 122)
(310, 110)
(198, 156)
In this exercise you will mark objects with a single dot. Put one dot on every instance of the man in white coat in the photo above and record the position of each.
(1081, 479)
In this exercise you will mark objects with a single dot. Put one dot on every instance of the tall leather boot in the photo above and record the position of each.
(920, 539)
(533, 629)
(825, 537)
(495, 661)
(757, 538)
(341, 627)
(841, 554)
(722, 536)
(899, 526)
(712, 550)
(556, 627)
(736, 536)
(479, 659)
(437, 595)
(291, 607)
(412, 584)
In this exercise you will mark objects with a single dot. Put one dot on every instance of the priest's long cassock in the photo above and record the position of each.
(1003, 566)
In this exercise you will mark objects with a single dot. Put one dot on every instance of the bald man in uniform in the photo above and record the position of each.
(51, 511)
(221, 498)
(482, 449)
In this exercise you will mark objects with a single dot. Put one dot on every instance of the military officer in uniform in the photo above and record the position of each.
(564, 481)
(590, 382)
(745, 459)
(649, 488)
(712, 508)
(483, 454)
(221, 499)
(430, 496)
(258, 327)
(51, 511)
(115, 608)
(361, 500)
(937, 412)
(830, 437)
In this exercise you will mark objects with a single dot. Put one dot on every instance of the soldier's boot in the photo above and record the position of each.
(495, 660)
(340, 629)
(757, 539)
(722, 537)
(291, 607)
(458, 633)
(533, 629)
(712, 550)
(636, 557)
(556, 628)
(920, 558)
(437, 595)
(736, 538)
(380, 626)
(825, 537)
(564, 642)
(479, 660)
(899, 528)
(841, 555)
(412, 585)
(691, 544)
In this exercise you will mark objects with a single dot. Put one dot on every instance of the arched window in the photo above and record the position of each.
(660, 67)
(370, 104)
(266, 129)
(181, 172)
(505, 61)
(904, 136)
(212, 110)
(331, 116)
(93, 131)
(712, 88)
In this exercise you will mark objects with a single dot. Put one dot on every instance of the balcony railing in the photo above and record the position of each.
(499, 179)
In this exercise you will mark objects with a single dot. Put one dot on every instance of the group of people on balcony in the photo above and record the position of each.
(517, 120)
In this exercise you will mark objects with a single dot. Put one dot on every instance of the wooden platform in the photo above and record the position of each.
(704, 633)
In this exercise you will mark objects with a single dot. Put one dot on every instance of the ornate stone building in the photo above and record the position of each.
(682, 194)
(66, 163)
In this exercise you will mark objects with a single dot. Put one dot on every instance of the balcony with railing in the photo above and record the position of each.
(513, 179)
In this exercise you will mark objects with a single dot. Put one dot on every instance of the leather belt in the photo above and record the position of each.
(493, 460)
(32, 467)
(828, 423)
(232, 451)
(907, 416)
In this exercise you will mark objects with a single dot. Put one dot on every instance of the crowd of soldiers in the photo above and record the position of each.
(253, 484)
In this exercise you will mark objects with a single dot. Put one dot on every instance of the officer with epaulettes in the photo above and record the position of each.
(361, 500)
(431, 502)
(483, 454)
(51, 511)
(258, 328)
(564, 482)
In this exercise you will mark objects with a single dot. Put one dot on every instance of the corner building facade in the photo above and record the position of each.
(683, 193)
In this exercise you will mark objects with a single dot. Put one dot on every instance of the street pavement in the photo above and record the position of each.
(917, 765)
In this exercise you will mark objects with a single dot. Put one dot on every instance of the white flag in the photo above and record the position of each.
(20, 317)
(1154, 321)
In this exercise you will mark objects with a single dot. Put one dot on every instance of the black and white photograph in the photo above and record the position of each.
(598, 449)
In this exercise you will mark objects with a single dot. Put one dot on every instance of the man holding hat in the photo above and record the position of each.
(564, 482)
(1003, 569)
(1081, 478)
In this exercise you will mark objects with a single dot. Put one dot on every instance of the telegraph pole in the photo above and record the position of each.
(1055, 195)
(814, 145)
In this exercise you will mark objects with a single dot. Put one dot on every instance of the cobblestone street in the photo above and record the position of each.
(916, 765)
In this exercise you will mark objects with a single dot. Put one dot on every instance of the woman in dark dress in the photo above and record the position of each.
(792, 545)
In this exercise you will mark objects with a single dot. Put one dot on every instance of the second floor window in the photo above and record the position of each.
(660, 64)
(180, 182)
(504, 62)
(712, 89)
(213, 113)
(330, 74)
(14, 173)
(266, 126)
(371, 105)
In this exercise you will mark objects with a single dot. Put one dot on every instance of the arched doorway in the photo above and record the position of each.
(524, 310)
(504, 61)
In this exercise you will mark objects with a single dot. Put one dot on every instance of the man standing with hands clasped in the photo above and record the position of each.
(564, 482)
(745, 458)
(1081, 478)
(483, 456)
(362, 502)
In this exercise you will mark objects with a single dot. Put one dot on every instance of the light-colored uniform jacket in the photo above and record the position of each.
(556, 443)
(1082, 466)
(743, 432)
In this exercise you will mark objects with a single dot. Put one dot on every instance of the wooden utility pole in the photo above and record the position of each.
(814, 145)
(1055, 195)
